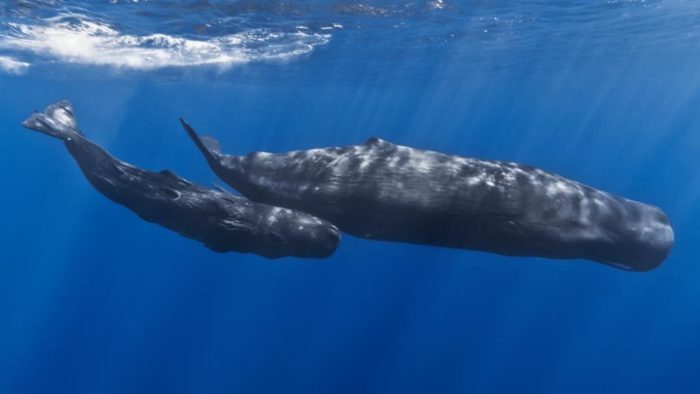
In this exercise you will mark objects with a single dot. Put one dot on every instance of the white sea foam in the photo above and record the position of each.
(12, 65)
(81, 40)
(437, 4)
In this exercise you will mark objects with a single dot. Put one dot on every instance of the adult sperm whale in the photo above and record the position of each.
(220, 220)
(384, 191)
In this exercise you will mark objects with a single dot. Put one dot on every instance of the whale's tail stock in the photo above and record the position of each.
(57, 120)
(209, 146)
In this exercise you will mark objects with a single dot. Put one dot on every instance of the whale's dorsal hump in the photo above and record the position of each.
(173, 176)
(375, 141)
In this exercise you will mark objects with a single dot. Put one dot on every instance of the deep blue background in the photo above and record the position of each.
(94, 300)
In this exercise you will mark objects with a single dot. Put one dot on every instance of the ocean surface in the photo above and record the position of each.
(95, 300)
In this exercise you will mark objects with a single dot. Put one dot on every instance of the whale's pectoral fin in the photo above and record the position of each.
(217, 249)
(209, 146)
(145, 218)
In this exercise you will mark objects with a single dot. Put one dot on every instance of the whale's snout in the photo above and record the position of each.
(305, 235)
(320, 241)
(656, 239)
(645, 243)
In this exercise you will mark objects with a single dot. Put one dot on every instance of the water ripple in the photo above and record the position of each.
(76, 38)
(153, 34)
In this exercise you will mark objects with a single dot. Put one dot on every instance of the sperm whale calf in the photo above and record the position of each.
(222, 221)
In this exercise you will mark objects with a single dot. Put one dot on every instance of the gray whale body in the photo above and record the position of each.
(379, 190)
(222, 221)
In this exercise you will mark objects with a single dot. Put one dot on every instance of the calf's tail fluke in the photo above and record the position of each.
(209, 146)
(57, 120)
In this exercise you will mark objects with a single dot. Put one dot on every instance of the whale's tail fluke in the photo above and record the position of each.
(57, 120)
(209, 146)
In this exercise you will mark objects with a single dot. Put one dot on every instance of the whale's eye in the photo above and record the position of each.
(662, 218)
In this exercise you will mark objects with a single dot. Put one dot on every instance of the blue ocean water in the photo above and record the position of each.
(95, 300)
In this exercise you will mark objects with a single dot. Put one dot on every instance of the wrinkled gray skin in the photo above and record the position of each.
(222, 221)
(383, 191)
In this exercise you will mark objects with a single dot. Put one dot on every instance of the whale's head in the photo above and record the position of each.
(300, 234)
(315, 240)
(638, 237)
